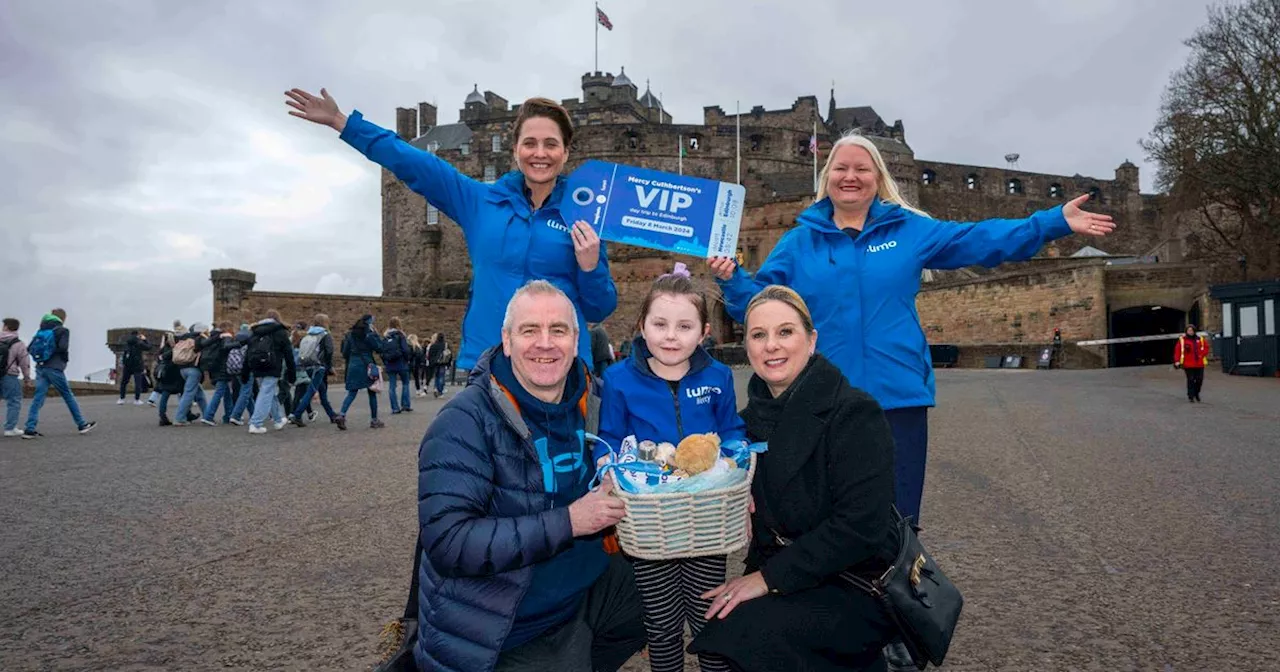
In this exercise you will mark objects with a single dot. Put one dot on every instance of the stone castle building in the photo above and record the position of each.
(1091, 289)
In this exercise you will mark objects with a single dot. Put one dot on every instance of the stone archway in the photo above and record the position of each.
(1144, 321)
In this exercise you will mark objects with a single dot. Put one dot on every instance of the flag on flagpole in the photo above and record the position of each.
(813, 151)
(603, 19)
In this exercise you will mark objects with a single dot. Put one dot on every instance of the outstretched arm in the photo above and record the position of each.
(994, 241)
(455, 194)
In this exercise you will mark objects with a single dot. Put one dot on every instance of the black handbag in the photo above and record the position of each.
(922, 603)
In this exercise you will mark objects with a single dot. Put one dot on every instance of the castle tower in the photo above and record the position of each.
(230, 286)
(597, 87)
(1127, 174)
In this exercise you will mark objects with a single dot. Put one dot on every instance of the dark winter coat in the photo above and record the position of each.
(435, 351)
(281, 350)
(486, 519)
(358, 348)
(131, 362)
(169, 375)
(826, 483)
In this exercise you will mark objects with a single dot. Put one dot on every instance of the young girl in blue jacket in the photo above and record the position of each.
(856, 256)
(666, 390)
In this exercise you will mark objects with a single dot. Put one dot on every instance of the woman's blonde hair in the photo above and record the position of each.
(886, 186)
(414, 342)
(784, 295)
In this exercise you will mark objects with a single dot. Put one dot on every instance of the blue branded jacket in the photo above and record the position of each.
(861, 290)
(508, 242)
(490, 526)
(637, 402)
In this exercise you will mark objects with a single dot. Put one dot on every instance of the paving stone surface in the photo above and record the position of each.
(1094, 519)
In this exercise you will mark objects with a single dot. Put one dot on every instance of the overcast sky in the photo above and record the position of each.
(145, 143)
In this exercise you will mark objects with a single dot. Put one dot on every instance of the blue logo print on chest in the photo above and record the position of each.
(564, 463)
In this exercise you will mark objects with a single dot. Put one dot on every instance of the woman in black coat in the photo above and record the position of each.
(826, 484)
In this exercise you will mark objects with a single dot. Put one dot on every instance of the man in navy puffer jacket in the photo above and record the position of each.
(513, 572)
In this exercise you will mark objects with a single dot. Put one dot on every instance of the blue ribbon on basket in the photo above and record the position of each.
(740, 451)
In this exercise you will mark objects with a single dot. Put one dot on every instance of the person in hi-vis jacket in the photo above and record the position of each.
(1190, 355)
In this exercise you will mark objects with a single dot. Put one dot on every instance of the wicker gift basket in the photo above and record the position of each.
(665, 525)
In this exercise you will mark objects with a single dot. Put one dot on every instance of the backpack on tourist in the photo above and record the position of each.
(309, 349)
(258, 355)
(42, 346)
(184, 353)
(396, 348)
(235, 360)
(4, 355)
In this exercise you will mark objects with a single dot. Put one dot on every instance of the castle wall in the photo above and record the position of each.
(419, 316)
(949, 198)
(1017, 307)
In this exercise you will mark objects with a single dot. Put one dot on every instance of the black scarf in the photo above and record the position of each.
(763, 409)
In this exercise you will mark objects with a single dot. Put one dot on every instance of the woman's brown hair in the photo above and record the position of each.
(783, 295)
(550, 109)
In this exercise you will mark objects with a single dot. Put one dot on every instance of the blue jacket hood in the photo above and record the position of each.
(821, 216)
(317, 331)
(511, 189)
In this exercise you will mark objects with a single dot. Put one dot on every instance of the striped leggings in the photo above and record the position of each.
(670, 590)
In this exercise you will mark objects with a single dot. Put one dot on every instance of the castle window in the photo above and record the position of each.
(693, 143)
(433, 146)
(465, 148)
(433, 214)
(1055, 190)
(757, 142)
(929, 177)
(490, 174)
(752, 256)
(1013, 186)
(497, 142)
(971, 182)
(1095, 194)
(633, 140)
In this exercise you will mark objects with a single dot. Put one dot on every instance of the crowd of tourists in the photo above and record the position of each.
(269, 372)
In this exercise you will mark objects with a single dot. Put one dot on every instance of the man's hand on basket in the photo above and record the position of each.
(596, 510)
(735, 592)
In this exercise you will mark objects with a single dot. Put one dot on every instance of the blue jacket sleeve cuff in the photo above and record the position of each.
(1058, 226)
(353, 128)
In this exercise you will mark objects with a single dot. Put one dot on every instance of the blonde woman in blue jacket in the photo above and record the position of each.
(856, 256)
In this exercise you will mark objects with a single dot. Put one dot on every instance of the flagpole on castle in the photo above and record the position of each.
(737, 109)
(815, 156)
(680, 153)
(595, 18)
